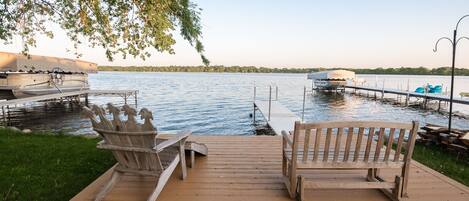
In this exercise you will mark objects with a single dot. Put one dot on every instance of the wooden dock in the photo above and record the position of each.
(21, 101)
(426, 96)
(248, 168)
(278, 117)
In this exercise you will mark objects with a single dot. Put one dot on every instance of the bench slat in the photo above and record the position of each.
(316, 144)
(349, 165)
(389, 145)
(397, 153)
(328, 144)
(348, 142)
(371, 133)
(306, 144)
(359, 143)
(338, 140)
(379, 144)
(348, 185)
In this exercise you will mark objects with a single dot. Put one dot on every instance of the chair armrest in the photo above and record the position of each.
(287, 138)
(182, 135)
(100, 143)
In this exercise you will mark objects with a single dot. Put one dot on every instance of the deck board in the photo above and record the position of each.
(241, 168)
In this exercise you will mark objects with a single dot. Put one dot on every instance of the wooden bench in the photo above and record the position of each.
(351, 145)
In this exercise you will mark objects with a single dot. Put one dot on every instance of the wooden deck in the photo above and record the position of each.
(245, 168)
(281, 118)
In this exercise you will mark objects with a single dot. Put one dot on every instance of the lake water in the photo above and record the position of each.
(221, 103)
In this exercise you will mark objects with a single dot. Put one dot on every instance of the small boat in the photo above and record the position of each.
(331, 80)
(25, 76)
(438, 89)
(464, 94)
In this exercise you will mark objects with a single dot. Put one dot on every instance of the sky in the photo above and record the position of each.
(305, 34)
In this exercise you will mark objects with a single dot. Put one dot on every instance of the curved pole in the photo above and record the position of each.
(442, 38)
(461, 39)
(457, 25)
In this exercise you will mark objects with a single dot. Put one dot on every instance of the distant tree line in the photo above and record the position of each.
(253, 69)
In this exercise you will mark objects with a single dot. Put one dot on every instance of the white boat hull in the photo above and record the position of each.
(329, 84)
(22, 85)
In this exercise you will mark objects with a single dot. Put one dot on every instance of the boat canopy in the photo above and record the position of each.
(332, 75)
(13, 62)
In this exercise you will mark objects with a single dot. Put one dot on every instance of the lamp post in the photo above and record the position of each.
(454, 43)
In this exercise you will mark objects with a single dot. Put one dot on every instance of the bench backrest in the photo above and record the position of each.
(353, 141)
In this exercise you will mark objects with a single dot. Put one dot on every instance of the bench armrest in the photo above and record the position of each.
(182, 135)
(287, 138)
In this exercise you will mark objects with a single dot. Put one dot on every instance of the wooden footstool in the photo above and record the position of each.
(193, 148)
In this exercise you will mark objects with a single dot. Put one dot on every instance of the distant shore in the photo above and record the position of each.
(253, 69)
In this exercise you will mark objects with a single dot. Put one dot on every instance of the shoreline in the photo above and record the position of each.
(441, 71)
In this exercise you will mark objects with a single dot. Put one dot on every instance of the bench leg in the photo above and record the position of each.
(284, 165)
(376, 172)
(301, 188)
(373, 173)
(292, 179)
(394, 193)
(405, 179)
(397, 191)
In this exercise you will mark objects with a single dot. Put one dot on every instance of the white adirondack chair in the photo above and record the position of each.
(137, 148)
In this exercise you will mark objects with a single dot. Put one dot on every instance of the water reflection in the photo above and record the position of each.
(221, 103)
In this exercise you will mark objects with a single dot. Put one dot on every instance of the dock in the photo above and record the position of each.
(278, 117)
(242, 168)
(66, 95)
(408, 94)
(6, 105)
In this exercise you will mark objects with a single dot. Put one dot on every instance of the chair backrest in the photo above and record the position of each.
(353, 141)
(133, 150)
(131, 143)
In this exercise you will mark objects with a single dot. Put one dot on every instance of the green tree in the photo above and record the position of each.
(121, 27)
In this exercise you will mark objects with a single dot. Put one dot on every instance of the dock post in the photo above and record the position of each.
(304, 101)
(135, 96)
(8, 114)
(407, 98)
(425, 103)
(312, 87)
(254, 107)
(382, 93)
(376, 85)
(276, 92)
(254, 114)
(4, 117)
(270, 100)
(397, 96)
(86, 99)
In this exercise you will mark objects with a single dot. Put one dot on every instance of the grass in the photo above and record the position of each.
(442, 161)
(45, 166)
